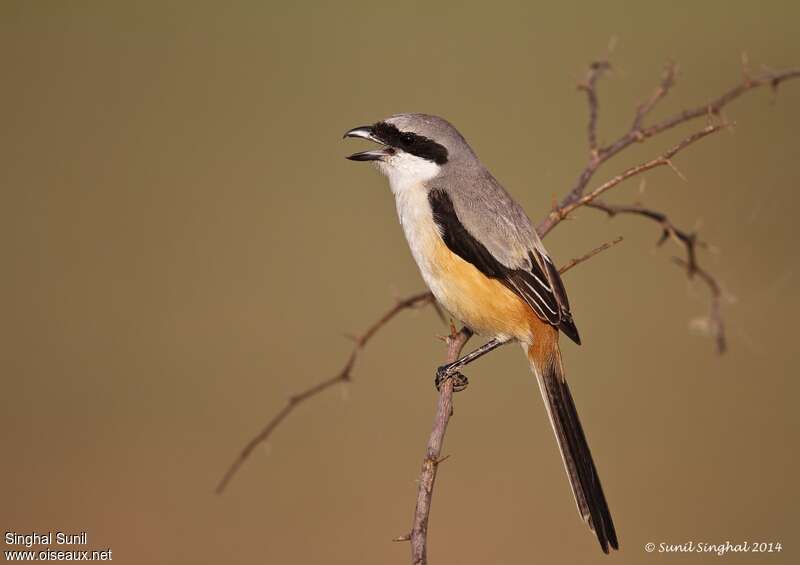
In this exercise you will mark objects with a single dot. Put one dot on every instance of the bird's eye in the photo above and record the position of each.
(407, 138)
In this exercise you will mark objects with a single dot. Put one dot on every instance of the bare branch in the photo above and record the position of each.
(665, 159)
(640, 133)
(669, 230)
(596, 69)
(690, 243)
(343, 375)
(715, 106)
(444, 409)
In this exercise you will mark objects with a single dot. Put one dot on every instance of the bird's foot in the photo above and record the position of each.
(445, 372)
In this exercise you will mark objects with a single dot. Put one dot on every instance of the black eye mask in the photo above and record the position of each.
(409, 142)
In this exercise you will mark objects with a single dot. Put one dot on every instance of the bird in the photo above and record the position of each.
(483, 261)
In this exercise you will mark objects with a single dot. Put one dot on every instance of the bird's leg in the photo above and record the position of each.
(451, 370)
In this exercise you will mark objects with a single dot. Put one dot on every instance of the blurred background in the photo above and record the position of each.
(184, 246)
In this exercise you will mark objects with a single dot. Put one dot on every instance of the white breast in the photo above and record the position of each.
(416, 217)
(407, 177)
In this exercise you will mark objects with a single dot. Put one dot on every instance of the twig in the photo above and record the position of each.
(343, 375)
(596, 69)
(444, 409)
(668, 230)
(690, 243)
(592, 253)
(667, 82)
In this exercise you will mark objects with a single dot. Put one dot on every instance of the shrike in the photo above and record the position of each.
(484, 263)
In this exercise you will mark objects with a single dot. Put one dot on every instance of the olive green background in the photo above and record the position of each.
(184, 246)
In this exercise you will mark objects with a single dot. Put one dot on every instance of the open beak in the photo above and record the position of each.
(367, 132)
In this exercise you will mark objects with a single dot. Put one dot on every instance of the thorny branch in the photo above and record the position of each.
(596, 69)
(667, 82)
(574, 199)
(669, 230)
(639, 133)
(690, 243)
(663, 160)
(433, 453)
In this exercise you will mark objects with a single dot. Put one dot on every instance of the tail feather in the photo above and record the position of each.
(589, 497)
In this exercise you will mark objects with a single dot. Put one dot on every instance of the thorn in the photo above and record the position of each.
(723, 120)
(404, 537)
(746, 67)
(612, 44)
(442, 460)
(729, 298)
(675, 169)
(767, 69)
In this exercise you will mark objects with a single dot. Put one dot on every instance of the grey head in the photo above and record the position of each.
(415, 143)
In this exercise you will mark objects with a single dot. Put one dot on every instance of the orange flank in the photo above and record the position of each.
(485, 305)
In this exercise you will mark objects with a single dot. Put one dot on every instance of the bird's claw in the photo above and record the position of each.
(460, 380)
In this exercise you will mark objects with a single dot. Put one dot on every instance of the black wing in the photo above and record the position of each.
(540, 287)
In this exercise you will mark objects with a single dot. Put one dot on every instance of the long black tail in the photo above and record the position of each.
(574, 450)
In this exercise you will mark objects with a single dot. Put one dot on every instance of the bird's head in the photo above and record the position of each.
(415, 147)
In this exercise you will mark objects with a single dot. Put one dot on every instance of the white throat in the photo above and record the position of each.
(407, 172)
